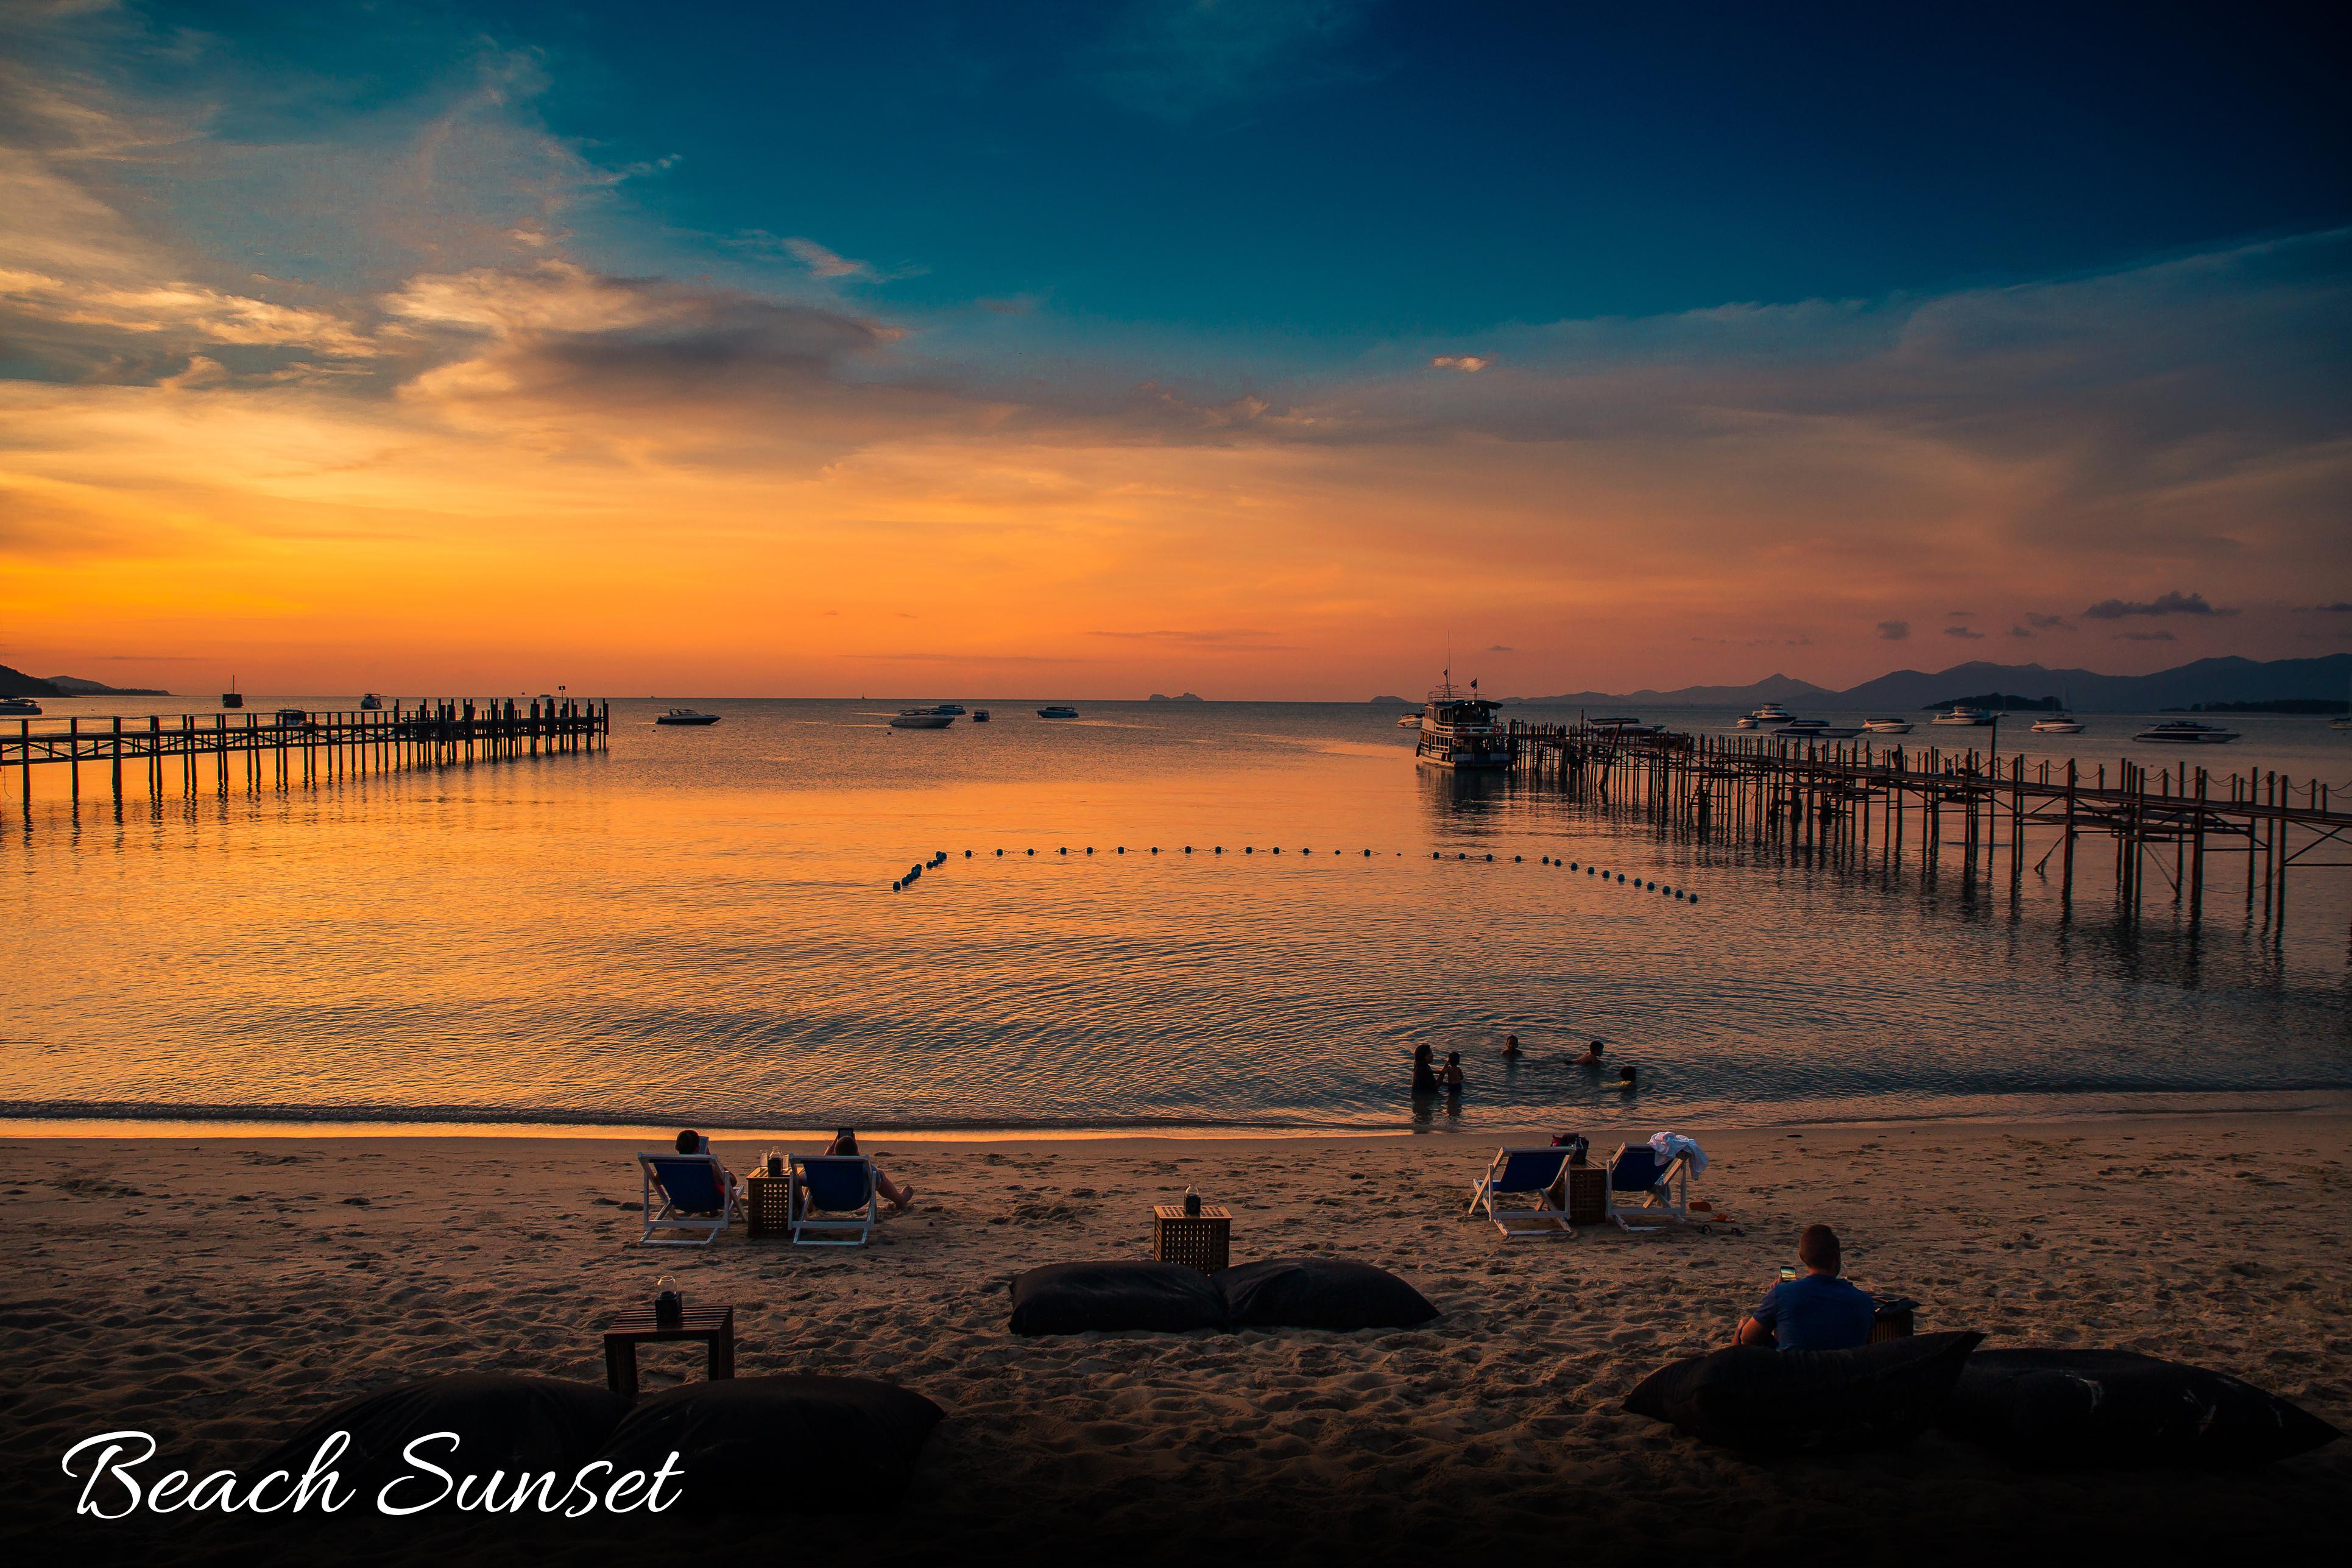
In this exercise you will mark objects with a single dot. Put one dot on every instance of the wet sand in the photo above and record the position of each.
(219, 1292)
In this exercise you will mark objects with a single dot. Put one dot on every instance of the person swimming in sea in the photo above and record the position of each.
(1625, 1078)
(1591, 1058)
(1424, 1082)
(1511, 1047)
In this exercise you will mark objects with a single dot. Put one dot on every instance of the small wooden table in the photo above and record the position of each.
(714, 1326)
(1204, 1240)
(767, 1203)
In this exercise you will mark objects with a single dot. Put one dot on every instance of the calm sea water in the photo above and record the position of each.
(699, 927)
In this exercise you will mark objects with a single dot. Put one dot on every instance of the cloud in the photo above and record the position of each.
(1499, 647)
(1964, 631)
(2172, 603)
(2018, 631)
(2145, 636)
(1958, 614)
(1176, 59)
(2041, 623)
(1894, 631)
(826, 263)
(2338, 608)
(1468, 365)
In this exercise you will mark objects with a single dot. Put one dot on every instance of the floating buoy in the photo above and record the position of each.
(1249, 849)
(1368, 854)
(1547, 859)
(1571, 865)
(967, 854)
(1091, 848)
(1459, 856)
(1155, 849)
(1277, 848)
(1515, 860)
(1064, 849)
(1000, 855)
(1188, 849)
(1033, 852)
(1122, 849)
(1621, 876)
(1694, 898)
(1433, 854)
(894, 886)
(1490, 859)
(1220, 849)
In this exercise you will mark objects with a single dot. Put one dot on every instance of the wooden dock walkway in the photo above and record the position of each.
(277, 748)
(1834, 796)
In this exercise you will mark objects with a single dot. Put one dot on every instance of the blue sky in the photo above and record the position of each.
(1256, 350)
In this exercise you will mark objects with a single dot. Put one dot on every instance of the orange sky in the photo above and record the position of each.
(502, 463)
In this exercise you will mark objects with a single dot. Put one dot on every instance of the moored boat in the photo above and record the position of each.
(370, 703)
(1887, 726)
(1057, 710)
(686, 715)
(979, 715)
(1962, 714)
(1459, 730)
(231, 697)
(2184, 732)
(921, 719)
(2058, 724)
(19, 708)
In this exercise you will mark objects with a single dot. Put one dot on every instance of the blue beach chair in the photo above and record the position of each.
(695, 1200)
(1643, 1186)
(841, 1186)
(1528, 1174)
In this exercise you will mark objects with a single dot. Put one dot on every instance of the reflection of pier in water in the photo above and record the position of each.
(275, 750)
(1859, 804)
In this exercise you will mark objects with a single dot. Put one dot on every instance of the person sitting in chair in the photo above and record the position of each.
(844, 1142)
(689, 1142)
(1815, 1312)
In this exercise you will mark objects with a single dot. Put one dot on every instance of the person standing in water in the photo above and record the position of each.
(1450, 1079)
(1424, 1080)
(1511, 1051)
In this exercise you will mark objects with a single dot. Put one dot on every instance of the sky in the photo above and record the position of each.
(1282, 350)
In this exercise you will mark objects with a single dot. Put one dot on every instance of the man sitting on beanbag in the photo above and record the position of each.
(1815, 1312)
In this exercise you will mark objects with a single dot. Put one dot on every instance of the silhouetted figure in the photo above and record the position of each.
(1424, 1080)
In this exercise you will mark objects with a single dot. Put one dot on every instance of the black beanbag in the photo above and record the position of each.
(2068, 1409)
(779, 1445)
(1072, 1298)
(1780, 1402)
(1319, 1293)
(503, 1422)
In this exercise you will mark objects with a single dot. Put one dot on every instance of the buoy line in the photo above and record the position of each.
(1615, 879)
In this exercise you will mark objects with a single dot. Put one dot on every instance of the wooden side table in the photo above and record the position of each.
(714, 1326)
(1204, 1240)
(1587, 1195)
(768, 1204)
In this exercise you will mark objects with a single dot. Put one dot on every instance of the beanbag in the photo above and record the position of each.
(1072, 1298)
(1319, 1293)
(503, 1422)
(1780, 1402)
(2074, 1408)
(779, 1445)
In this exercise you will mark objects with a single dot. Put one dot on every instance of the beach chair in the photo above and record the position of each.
(1642, 1187)
(695, 1200)
(841, 1186)
(1528, 1174)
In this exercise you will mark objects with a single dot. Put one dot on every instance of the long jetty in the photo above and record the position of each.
(1836, 798)
(275, 749)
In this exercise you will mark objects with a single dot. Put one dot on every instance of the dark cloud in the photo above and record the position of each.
(1499, 647)
(1894, 631)
(2049, 623)
(2145, 636)
(2018, 631)
(1964, 631)
(2338, 608)
(2173, 604)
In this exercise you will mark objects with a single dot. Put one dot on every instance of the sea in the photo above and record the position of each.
(1212, 917)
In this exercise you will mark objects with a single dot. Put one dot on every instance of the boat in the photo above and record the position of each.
(686, 715)
(2183, 732)
(1618, 721)
(370, 703)
(1409, 722)
(1457, 730)
(921, 719)
(1887, 726)
(952, 709)
(1817, 729)
(1057, 711)
(1744, 721)
(2058, 724)
(1769, 713)
(293, 717)
(1961, 714)
(231, 697)
(979, 715)
(19, 708)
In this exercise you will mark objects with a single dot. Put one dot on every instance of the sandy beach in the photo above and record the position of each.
(220, 1292)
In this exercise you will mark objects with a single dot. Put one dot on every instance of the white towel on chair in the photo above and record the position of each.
(1666, 1145)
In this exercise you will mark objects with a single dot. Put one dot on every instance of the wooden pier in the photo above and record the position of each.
(275, 749)
(1858, 801)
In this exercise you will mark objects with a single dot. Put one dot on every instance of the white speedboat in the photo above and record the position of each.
(1887, 726)
(1409, 722)
(2058, 724)
(2182, 732)
(921, 719)
(19, 708)
(1769, 713)
(1817, 729)
(370, 703)
(686, 715)
(1458, 730)
(1057, 710)
(1961, 713)
(1744, 721)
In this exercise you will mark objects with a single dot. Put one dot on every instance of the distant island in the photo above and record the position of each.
(1399, 702)
(2282, 705)
(17, 683)
(1187, 696)
(1998, 702)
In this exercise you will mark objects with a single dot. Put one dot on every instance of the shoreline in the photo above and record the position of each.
(2247, 1103)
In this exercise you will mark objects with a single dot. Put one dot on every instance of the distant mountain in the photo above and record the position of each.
(1161, 697)
(2208, 680)
(74, 685)
(1377, 701)
(17, 683)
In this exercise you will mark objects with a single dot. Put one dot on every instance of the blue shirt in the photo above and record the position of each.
(1816, 1312)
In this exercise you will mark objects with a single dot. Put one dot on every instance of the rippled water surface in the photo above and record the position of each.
(700, 926)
